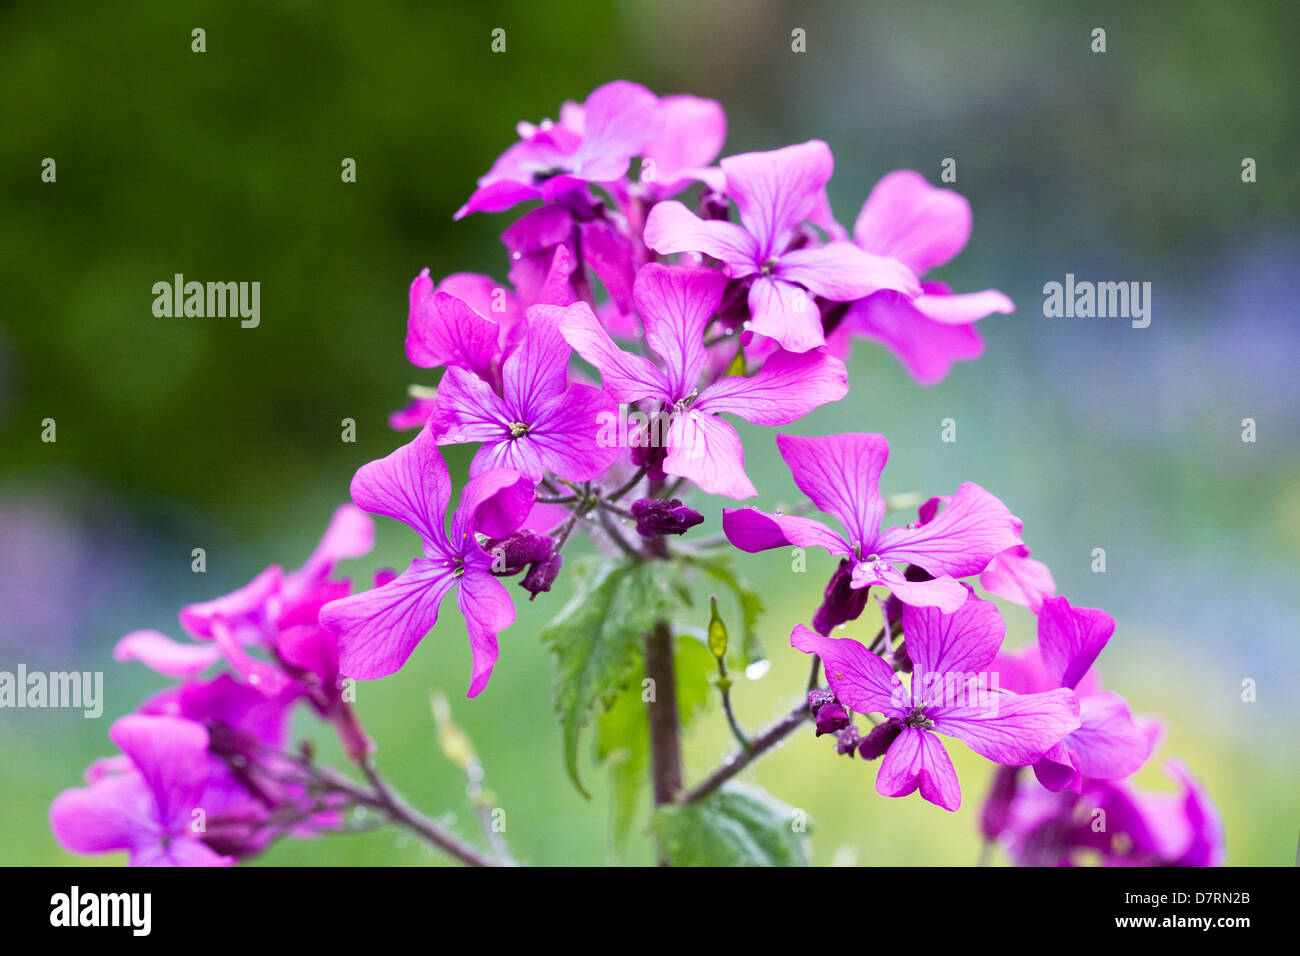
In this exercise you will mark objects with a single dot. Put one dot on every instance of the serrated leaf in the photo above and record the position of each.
(739, 825)
(623, 737)
(596, 638)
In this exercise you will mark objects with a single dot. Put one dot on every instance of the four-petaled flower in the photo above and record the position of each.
(841, 474)
(776, 192)
(378, 629)
(950, 693)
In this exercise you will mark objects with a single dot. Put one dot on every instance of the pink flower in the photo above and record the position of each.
(378, 629)
(949, 654)
(148, 806)
(776, 192)
(841, 474)
(918, 227)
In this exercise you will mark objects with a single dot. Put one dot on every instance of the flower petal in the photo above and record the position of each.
(170, 658)
(841, 474)
(962, 539)
(858, 677)
(786, 388)
(918, 759)
(676, 304)
(785, 312)
(671, 227)
(919, 224)
(707, 450)
(777, 190)
(964, 642)
(926, 348)
(378, 629)
(625, 377)
(1070, 638)
(411, 485)
(488, 610)
(1011, 729)
(842, 272)
(752, 530)
(172, 757)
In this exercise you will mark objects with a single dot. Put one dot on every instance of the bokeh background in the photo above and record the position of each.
(183, 433)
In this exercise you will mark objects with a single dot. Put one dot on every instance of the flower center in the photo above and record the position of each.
(768, 267)
(918, 719)
(518, 429)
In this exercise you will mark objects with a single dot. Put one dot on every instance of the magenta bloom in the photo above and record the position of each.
(1108, 745)
(676, 304)
(378, 629)
(540, 422)
(918, 227)
(841, 474)
(147, 807)
(592, 143)
(1040, 828)
(776, 192)
(251, 616)
(948, 695)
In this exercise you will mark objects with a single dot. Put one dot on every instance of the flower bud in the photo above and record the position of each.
(655, 517)
(818, 699)
(542, 575)
(882, 735)
(846, 741)
(831, 718)
(841, 603)
(512, 554)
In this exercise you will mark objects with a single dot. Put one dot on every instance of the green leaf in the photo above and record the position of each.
(739, 825)
(623, 738)
(718, 567)
(597, 637)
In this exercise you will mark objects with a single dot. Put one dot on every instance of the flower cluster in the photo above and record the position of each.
(696, 292)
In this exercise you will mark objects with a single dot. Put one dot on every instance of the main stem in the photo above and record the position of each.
(665, 742)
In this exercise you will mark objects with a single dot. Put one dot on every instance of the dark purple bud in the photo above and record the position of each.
(846, 741)
(655, 517)
(882, 735)
(542, 575)
(512, 554)
(841, 602)
(817, 699)
(831, 718)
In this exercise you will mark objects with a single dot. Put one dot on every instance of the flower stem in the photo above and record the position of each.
(665, 742)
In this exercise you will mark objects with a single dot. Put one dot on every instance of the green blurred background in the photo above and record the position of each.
(183, 433)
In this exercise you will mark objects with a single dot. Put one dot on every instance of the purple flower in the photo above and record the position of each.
(675, 305)
(594, 142)
(540, 422)
(1108, 745)
(1040, 828)
(378, 629)
(254, 615)
(776, 192)
(148, 807)
(841, 474)
(918, 227)
(950, 653)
